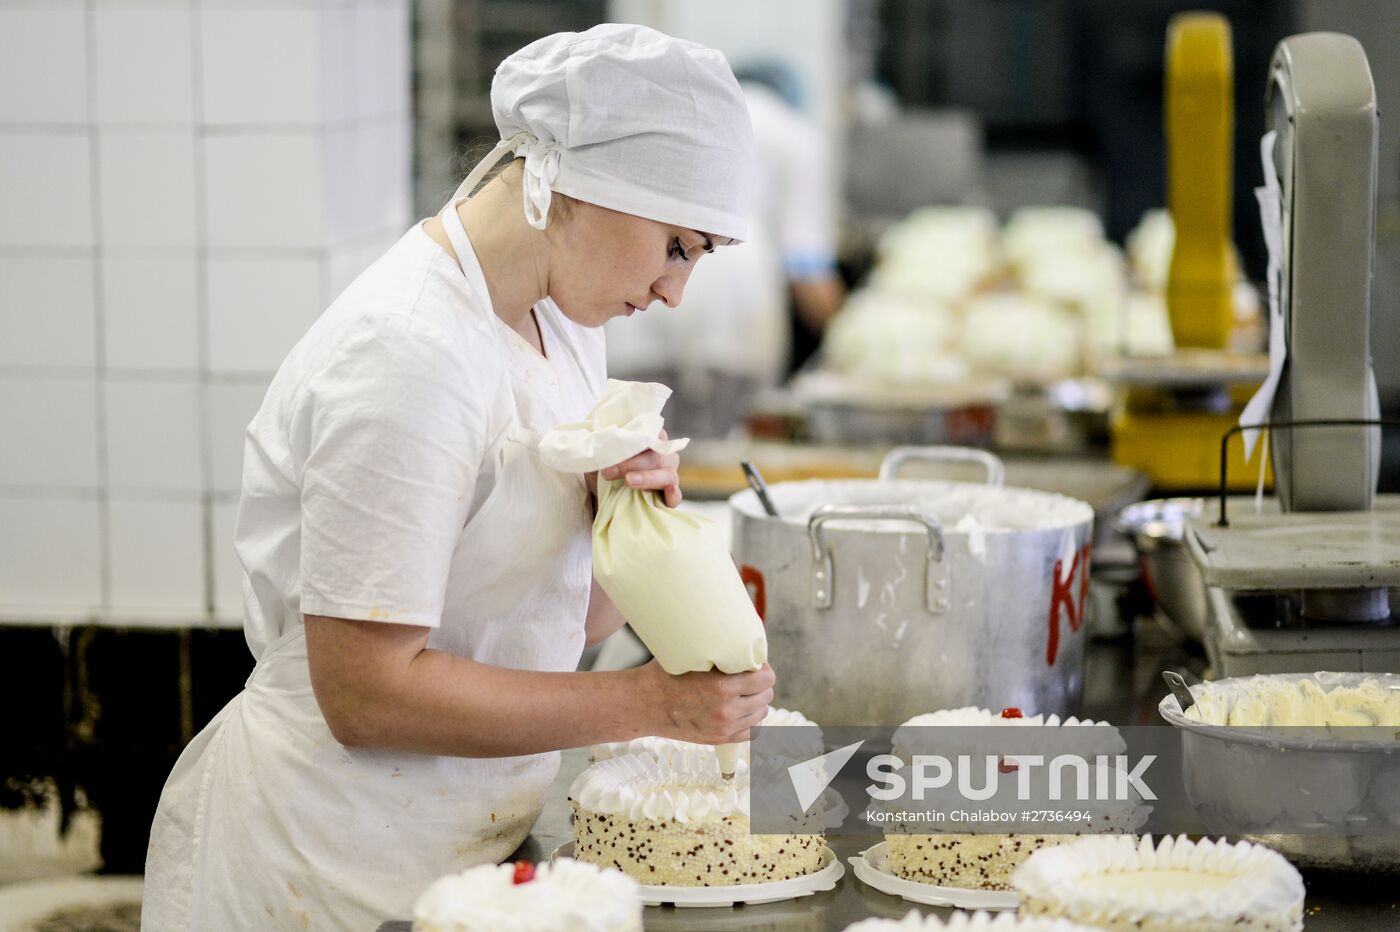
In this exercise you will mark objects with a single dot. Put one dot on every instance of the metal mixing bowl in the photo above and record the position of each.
(1157, 528)
(1339, 788)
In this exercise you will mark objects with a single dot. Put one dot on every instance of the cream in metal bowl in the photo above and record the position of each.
(1323, 792)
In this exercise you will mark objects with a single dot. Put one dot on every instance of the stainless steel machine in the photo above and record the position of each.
(1309, 581)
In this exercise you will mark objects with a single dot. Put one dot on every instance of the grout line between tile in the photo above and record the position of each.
(104, 520)
(203, 325)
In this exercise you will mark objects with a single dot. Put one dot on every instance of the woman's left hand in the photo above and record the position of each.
(651, 470)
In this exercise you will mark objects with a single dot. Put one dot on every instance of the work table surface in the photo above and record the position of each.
(1124, 685)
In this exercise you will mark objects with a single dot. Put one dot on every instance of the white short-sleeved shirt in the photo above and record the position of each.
(391, 475)
(379, 441)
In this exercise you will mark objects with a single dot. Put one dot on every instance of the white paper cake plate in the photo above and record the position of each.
(870, 867)
(753, 894)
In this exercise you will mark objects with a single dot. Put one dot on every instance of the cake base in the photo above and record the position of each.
(981, 862)
(710, 853)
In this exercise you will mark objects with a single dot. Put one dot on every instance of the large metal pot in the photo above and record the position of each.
(888, 598)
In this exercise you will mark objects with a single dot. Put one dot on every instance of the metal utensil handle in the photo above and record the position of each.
(1224, 520)
(1177, 683)
(760, 488)
(996, 469)
(823, 578)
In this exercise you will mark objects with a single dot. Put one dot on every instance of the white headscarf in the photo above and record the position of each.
(630, 119)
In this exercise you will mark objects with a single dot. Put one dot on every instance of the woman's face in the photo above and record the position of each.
(608, 264)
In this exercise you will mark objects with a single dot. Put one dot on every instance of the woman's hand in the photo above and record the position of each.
(651, 470)
(706, 708)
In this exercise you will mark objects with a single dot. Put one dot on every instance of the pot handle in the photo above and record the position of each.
(823, 578)
(996, 469)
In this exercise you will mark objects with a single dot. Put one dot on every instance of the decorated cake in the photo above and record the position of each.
(985, 861)
(967, 922)
(676, 821)
(1122, 882)
(562, 896)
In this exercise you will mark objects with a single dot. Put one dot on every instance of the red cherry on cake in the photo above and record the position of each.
(524, 872)
(1012, 712)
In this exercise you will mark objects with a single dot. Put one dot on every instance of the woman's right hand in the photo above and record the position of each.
(706, 708)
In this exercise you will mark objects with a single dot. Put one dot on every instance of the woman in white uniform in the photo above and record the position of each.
(418, 584)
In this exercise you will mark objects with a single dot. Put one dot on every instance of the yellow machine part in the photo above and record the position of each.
(1175, 445)
(1200, 123)
(1180, 450)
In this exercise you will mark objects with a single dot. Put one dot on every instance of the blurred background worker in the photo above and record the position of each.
(749, 316)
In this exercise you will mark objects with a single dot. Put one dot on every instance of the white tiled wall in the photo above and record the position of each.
(258, 308)
(156, 556)
(43, 49)
(46, 186)
(143, 62)
(48, 432)
(50, 315)
(51, 556)
(153, 437)
(228, 575)
(185, 187)
(228, 408)
(146, 292)
(146, 188)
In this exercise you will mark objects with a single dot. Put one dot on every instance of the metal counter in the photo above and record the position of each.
(1123, 685)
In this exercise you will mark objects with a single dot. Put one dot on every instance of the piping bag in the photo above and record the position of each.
(669, 572)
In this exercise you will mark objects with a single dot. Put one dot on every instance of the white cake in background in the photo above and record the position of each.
(806, 742)
(1150, 247)
(1021, 336)
(1038, 234)
(938, 254)
(985, 861)
(881, 335)
(1090, 280)
(1177, 885)
(562, 896)
(967, 922)
(1140, 326)
(677, 821)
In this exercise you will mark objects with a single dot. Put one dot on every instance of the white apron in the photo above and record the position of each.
(267, 822)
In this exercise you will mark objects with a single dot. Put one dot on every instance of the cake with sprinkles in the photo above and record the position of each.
(985, 861)
(564, 895)
(677, 821)
(1174, 885)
